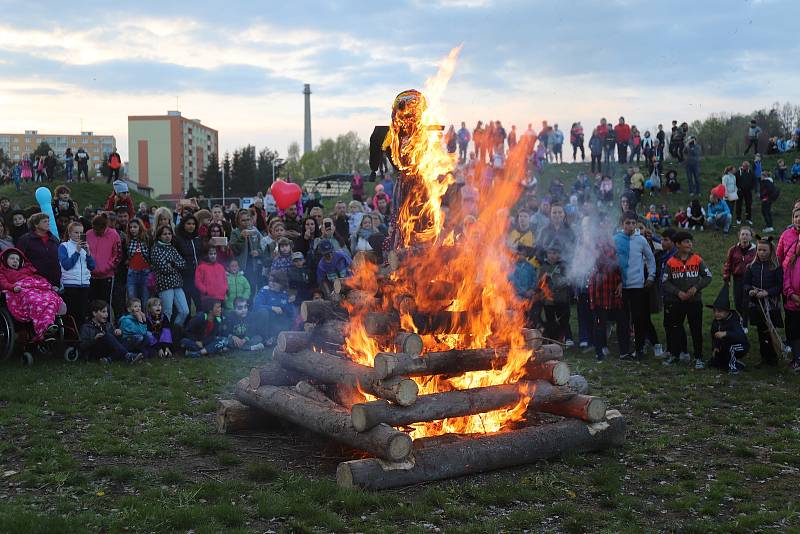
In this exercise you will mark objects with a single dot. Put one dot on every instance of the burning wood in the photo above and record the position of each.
(477, 454)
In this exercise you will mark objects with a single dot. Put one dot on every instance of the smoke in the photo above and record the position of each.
(590, 234)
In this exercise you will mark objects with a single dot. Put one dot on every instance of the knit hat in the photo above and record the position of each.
(120, 186)
(722, 302)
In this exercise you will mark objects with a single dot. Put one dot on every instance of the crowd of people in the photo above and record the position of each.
(30, 169)
(205, 279)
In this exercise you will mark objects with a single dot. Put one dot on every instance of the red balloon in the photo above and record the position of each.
(285, 194)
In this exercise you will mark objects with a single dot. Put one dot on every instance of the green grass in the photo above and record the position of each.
(122, 448)
(85, 194)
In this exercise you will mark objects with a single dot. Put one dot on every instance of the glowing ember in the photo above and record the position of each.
(481, 309)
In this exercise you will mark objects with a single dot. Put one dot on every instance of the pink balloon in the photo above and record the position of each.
(285, 194)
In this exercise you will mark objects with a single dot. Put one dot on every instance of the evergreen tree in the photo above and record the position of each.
(243, 172)
(264, 176)
(211, 179)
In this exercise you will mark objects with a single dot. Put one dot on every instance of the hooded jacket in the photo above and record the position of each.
(107, 252)
(634, 255)
(9, 277)
(787, 243)
(737, 261)
(43, 255)
(190, 246)
(238, 286)
(761, 275)
(210, 280)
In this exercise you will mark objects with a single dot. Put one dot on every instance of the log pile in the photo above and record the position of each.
(311, 383)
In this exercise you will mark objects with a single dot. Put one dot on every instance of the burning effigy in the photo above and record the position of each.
(426, 363)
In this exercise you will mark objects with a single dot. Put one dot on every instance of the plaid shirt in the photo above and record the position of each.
(604, 279)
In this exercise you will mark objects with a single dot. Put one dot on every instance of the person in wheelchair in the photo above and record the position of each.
(29, 296)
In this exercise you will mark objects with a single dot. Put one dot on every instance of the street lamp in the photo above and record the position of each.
(276, 163)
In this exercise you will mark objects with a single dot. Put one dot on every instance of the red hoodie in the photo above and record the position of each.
(623, 132)
(211, 280)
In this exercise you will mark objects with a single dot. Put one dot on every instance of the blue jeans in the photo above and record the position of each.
(176, 296)
(69, 167)
(585, 319)
(693, 177)
(137, 285)
(720, 221)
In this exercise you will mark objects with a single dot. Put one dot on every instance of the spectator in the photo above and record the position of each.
(745, 182)
(692, 153)
(605, 301)
(138, 252)
(238, 285)
(558, 234)
(6, 241)
(50, 162)
(463, 142)
(332, 266)
(158, 325)
(356, 188)
(120, 197)
(728, 340)
(576, 140)
(729, 181)
(685, 276)
(753, 132)
(609, 145)
(246, 246)
(696, 215)
(105, 245)
(241, 329)
(769, 194)
(622, 133)
(795, 171)
(273, 305)
(789, 237)
(168, 264)
(114, 162)
(77, 264)
(135, 336)
(557, 137)
(82, 158)
(210, 277)
(718, 214)
(40, 247)
(737, 261)
(99, 338)
(215, 238)
(553, 275)
(69, 164)
(638, 271)
(763, 285)
(782, 172)
(205, 333)
(636, 144)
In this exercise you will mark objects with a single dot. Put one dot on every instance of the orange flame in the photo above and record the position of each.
(480, 307)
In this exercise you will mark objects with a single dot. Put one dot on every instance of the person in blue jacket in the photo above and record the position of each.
(274, 308)
(718, 214)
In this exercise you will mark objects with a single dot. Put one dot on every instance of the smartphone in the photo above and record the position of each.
(328, 224)
(83, 238)
(219, 241)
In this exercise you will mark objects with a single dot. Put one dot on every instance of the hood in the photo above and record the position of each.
(181, 229)
(22, 259)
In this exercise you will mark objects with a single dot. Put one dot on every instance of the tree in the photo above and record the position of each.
(264, 168)
(211, 179)
(42, 150)
(243, 172)
(347, 153)
(5, 161)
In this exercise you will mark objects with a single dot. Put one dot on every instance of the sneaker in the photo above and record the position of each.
(698, 364)
(795, 366)
(684, 357)
(192, 353)
(749, 222)
(161, 353)
(257, 346)
(738, 221)
(746, 331)
(105, 360)
(134, 357)
(769, 229)
(672, 360)
(658, 351)
(606, 352)
(167, 352)
(583, 344)
(569, 343)
(629, 357)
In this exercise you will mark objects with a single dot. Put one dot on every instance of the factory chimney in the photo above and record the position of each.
(307, 131)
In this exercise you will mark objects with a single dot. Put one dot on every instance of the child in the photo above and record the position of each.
(158, 325)
(685, 276)
(77, 264)
(696, 215)
(664, 217)
(768, 195)
(553, 276)
(763, 283)
(210, 278)
(332, 266)
(653, 216)
(681, 219)
(273, 308)
(782, 172)
(138, 252)
(29, 296)
(63, 206)
(120, 197)
(282, 261)
(16, 175)
(98, 337)
(796, 171)
(19, 226)
(672, 181)
(206, 332)
(299, 278)
(728, 341)
(524, 278)
(606, 190)
(605, 300)
(239, 328)
(133, 326)
(729, 182)
(739, 258)
(238, 285)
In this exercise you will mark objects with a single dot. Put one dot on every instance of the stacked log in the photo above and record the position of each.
(310, 383)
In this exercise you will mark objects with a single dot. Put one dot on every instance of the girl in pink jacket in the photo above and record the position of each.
(789, 237)
(210, 277)
(791, 299)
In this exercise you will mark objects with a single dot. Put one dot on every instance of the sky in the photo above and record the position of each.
(240, 66)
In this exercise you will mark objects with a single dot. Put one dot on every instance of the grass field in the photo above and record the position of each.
(85, 194)
(87, 448)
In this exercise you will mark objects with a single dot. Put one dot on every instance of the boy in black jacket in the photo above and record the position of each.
(206, 331)
(728, 341)
(240, 328)
(98, 337)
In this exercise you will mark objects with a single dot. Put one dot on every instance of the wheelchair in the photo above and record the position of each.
(17, 337)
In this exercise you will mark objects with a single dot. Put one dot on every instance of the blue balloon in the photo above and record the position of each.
(45, 198)
(648, 184)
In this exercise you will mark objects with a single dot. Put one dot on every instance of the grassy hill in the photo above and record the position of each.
(85, 194)
(91, 448)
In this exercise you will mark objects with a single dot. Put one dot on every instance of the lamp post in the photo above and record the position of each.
(277, 163)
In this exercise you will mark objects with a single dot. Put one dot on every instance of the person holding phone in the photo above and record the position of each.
(77, 263)
(215, 237)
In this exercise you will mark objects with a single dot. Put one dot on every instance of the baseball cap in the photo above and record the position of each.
(325, 247)
(298, 256)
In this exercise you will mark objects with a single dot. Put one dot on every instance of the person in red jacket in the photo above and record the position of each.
(740, 256)
(210, 277)
(121, 197)
(623, 132)
(114, 162)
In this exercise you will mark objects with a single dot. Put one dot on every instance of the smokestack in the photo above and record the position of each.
(307, 131)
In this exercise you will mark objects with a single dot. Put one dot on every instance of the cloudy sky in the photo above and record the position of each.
(240, 66)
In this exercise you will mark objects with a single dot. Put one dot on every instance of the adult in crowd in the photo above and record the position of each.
(82, 159)
(463, 142)
(745, 183)
(40, 247)
(692, 154)
(623, 135)
(753, 133)
(576, 140)
(189, 244)
(638, 270)
(114, 162)
(557, 235)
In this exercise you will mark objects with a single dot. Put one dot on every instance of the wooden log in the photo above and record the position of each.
(388, 364)
(584, 407)
(553, 371)
(331, 332)
(579, 384)
(548, 352)
(409, 343)
(293, 341)
(317, 311)
(273, 374)
(384, 323)
(306, 389)
(459, 403)
(533, 337)
(233, 416)
(382, 441)
(328, 368)
(485, 453)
